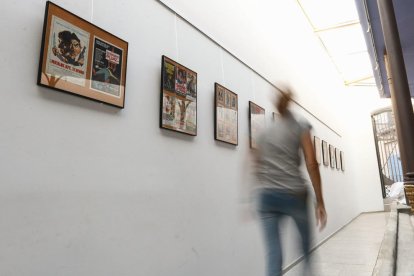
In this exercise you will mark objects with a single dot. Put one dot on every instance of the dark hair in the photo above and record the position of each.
(75, 37)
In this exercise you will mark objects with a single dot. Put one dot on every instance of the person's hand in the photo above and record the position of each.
(321, 216)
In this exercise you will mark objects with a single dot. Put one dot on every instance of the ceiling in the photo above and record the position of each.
(338, 28)
(371, 24)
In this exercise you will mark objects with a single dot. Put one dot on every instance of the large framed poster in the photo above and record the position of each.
(337, 158)
(257, 122)
(317, 147)
(325, 153)
(178, 109)
(225, 115)
(80, 58)
(332, 156)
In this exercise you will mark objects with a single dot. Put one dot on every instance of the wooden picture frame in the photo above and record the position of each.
(325, 153)
(225, 115)
(317, 148)
(337, 158)
(257, 122)
(178, 101)
(332, 156)
(80, 58)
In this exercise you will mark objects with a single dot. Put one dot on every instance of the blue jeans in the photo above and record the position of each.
(273, 205)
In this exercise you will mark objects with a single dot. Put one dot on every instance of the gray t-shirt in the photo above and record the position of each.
(279, 149)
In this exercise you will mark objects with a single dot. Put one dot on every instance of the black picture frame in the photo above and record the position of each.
(178, 100)
(257, 122)
(79, 58)
(317, 148)
(337, 159)
(225, 115)
(325, 153)
(332, 156)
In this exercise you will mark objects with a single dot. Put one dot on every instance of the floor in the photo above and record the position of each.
(350, 252)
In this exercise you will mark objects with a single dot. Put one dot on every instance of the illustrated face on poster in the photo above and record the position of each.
(67, 53)
(106, 71)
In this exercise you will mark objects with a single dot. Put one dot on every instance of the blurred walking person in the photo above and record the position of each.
(281, 187)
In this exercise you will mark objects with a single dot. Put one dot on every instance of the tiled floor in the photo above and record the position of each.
(350, 252)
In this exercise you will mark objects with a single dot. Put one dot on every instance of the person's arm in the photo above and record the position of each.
(313, 170)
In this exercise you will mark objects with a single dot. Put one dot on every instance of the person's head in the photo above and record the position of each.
(75, 45)
(64, 42)
(283, 101)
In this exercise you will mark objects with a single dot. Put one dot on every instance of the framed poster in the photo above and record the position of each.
(80, 58)
(341, 157)
(317, 147)
(337, 158)
(257, 122)
(225, 115)
(325, 153)
(332, 156)
(178, 110)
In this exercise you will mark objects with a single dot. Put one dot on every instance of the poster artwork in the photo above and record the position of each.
(67, 52)
(169, 76)
(191, 86)
(106, 71)
(185, 115)
(181, 82)
(168, 111)
(226, 115)
(179, 97)
(257, 123)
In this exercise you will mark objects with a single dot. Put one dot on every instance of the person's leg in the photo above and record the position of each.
(270, 219)
(301, 217)
(273, 244)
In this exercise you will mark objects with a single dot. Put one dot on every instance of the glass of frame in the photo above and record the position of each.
(341, 157)
(225, 115)
(325, 153)
(80, 58)
(332, 156)
(257, 122)
(178, 109)
(317, 147)
(337, 159)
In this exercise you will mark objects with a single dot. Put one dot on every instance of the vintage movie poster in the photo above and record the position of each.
(168, 82)
(257, 123)
(67, 53)
(185, 114)
(179, 97)
(226, 115)
(220, 96)
(191, 86)
(168, 111)
(332, 156)
(191, 117)
(181, 81)
(107, 66)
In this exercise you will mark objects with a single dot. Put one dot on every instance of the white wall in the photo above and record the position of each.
(89, 189)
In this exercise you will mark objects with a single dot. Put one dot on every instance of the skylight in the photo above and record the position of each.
(337, 26)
